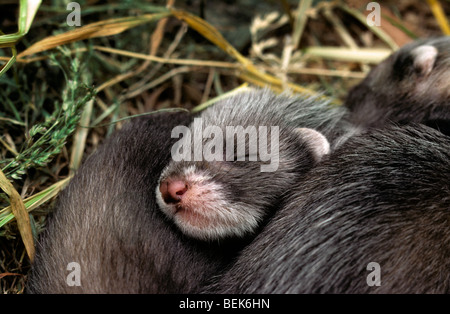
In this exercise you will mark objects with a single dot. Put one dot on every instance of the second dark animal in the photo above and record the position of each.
(411, 85)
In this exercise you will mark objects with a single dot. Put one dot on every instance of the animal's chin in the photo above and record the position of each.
(185, 215)
(211, 225)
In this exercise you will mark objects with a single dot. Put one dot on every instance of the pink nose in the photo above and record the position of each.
(172, 191)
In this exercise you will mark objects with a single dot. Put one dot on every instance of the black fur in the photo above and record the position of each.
(383, 197)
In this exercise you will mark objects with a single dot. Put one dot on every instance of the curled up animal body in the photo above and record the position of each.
(109, 221)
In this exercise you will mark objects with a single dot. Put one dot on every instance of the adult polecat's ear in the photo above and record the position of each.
(316, 141)
(424, 57)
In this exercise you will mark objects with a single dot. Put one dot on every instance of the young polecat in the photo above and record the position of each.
(382, 199)
(231, 194)
(411, 85)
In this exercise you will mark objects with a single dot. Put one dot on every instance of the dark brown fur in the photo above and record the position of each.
(107, 221)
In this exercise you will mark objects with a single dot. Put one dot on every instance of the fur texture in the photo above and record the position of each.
(383, 197)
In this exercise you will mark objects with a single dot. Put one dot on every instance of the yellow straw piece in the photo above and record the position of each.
(436, 8)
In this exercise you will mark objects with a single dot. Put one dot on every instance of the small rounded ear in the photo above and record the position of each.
(315, 140)
(424, 57)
